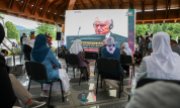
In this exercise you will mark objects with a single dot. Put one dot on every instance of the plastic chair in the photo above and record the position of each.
(37, 72)
(110, 69)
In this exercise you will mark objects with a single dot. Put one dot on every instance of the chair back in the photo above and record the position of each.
(36, 71)
(109, 68)
(145, 81)
(125, 60)
(72, 59)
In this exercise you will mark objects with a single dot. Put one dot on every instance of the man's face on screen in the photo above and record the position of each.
(101, 27)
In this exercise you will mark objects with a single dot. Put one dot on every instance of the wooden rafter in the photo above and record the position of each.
(93, 5)
(45, 8)
(35, 7)
(142, 8)
(131, 4)
(84, 5)
(10, 5)
(168, 6)
(154, 8)
(110, 3)
(24, 5)
(120, 3)
(178, 13)
(71, 4)
(101, 3)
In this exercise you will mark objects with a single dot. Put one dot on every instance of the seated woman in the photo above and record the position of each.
(163, 63)
(76, 48)
(11, 88)
(42, 53)
(112, 52)
(126, 51)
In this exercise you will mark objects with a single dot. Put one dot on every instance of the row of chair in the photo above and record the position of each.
(107, 69)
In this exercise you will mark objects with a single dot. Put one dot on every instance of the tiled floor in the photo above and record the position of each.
(104, 98)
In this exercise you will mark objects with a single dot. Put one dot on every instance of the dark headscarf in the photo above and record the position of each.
(40, 49)
(2, 33)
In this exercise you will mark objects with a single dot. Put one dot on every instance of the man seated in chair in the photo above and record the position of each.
(110, 51)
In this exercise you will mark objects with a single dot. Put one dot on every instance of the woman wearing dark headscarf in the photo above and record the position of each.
(41, 53)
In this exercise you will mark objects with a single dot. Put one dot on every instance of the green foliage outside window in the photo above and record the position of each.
(12, 32)
(173, 29)
(46, 28)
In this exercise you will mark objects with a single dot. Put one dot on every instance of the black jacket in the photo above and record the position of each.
(7, 96)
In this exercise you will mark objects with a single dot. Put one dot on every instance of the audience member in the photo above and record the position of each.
(110, 51)
(32, 39)
(27, 49)
(76, 48)
(175, 47)
(42, 53)
(162, 63)
(11, 88)
(156, 95)
(125, 50)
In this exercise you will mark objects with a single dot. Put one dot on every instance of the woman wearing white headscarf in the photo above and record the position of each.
(125, 49)
(156, 95)
(162, 63)
(76, 48)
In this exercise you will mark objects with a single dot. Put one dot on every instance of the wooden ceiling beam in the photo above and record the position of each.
(92, 3)
(24, 5)
(142, 8)
(35, 7)
(101, 3)
(131, 4)
(10, 5)
(168, 7)
(120, 3)
(110, 4)
(178, 13)
(154, 8)
(71, 4)
(84, 5)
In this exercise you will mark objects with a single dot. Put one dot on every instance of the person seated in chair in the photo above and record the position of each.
(110, 51)
(41, 53)
(163, 63)
(11, 89)
(156, 95)
(76, 48)
(126, 51)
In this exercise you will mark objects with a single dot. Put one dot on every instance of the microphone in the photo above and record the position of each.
(79, 30)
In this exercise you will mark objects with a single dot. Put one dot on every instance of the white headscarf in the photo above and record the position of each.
(163, 63)
(110, 45)
(126, 49)
(156, 95)
(76, 47)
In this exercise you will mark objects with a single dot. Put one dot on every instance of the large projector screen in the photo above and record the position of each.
(93, 26)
